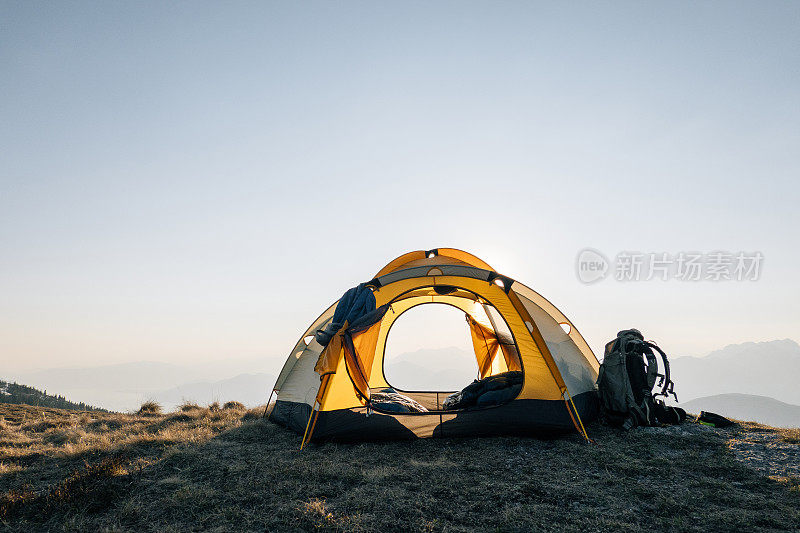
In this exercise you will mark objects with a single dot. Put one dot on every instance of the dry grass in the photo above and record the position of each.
(150, 408)
(189, 406)
(47, 452)
(230, 470)
(88, 489)
(792, 436)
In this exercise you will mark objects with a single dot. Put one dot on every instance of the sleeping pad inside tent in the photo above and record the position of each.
(535, 372)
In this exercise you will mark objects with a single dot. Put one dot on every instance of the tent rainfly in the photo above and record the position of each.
(325, 388)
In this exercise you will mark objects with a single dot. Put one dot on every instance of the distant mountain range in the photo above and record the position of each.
(748, 407)
(726, 380)
(751, 381)
(250, 389)
(443, 369)
(767, 369)
(123, 387)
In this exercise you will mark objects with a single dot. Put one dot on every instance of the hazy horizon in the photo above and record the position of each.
(197, 183)
(759, 371)
(230, 367)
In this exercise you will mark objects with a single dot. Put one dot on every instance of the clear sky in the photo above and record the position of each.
(193, 181)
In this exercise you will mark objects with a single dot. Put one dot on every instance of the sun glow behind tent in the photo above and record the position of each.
(325, 391)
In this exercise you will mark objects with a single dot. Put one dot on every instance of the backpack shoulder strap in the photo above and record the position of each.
(652, 366)
(666, 384)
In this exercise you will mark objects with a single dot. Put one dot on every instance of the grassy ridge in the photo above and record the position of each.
(11, 392)
(228, 469)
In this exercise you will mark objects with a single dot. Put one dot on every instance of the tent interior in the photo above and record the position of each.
(491, 341)
(429, 348)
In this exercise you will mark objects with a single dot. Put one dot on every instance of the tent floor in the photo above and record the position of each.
(536, 418)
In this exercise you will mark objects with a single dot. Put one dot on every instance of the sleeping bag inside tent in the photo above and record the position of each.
(535, 372)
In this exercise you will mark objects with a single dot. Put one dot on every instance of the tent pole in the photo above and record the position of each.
(313, 424)
(314, 414)
(267, 406)
(310, 416)
(581, 429)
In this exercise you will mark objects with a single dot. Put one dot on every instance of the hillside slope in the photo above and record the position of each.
(748, 407)
(22, 394)
(230, 470)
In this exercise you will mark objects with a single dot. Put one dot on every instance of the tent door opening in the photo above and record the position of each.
(435, 349)
(428, 348)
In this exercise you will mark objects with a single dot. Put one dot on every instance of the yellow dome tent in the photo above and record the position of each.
(325, 391)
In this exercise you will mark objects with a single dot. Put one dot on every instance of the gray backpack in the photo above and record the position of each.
(626, 380)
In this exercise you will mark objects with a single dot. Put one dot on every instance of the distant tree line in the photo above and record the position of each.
(15, 393)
